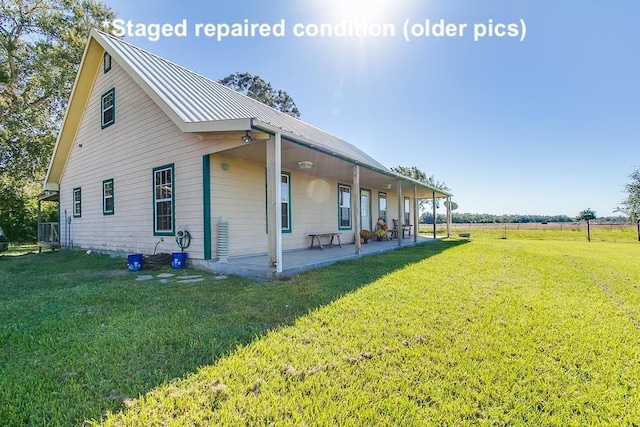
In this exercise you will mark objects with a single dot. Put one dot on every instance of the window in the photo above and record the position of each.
(108, 207)
(77, 202)
(285, 189)
(108, 108)
(382, 206)
(107, 62)
(407, 211)
(163, 200)
(344, 207)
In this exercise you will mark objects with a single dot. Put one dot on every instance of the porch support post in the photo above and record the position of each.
(416, 217)
(40, 221)
(433, 202)
(355, 202)
(274, 202)
(400, 213)
(206, 204)
(448, 216)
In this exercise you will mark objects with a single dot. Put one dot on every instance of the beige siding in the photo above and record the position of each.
(239, 194)
(141, 139)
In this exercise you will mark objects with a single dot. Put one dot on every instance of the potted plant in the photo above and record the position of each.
(381, 229)
(365, 235)
(380, 234)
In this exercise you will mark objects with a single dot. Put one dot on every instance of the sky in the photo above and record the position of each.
(519, 106)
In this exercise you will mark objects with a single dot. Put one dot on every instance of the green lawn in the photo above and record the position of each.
(485, 332)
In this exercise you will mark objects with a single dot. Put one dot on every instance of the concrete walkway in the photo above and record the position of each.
(295, 262)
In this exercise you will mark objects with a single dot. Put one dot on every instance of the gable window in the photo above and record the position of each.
(106, 66)
(108, 108)
(407, 211)
(108, 206)
(344, 207)
(163, 200)
(285, 189)
(382, 206)
(77, 202)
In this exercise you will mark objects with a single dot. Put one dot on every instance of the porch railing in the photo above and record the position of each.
(48, 232)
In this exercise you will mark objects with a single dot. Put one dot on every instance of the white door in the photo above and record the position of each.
(365, 209)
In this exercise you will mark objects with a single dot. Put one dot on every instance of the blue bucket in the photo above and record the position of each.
(178, 260)
(134, 262)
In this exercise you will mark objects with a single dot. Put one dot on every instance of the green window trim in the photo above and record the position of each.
(108, 197)
(286, 210)
(164, 197)
(77, 202)
(108, 108)
(287, 202)
(344, 207)
(382, 206)
(106, 63)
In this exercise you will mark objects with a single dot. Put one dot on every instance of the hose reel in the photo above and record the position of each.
(183, 238)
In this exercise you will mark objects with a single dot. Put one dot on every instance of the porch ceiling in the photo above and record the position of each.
(325, 165)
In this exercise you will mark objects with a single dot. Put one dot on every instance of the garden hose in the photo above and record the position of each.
(157, 261)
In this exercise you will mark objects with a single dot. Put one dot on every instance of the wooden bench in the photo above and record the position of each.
(317, 236)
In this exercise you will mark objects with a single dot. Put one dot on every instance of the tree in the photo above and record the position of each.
(255, 87)
(421, 176)
(631, 205)
(41, 45)
(587, 215)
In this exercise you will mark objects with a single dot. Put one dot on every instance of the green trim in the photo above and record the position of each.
(350, 227)
(106, 62)
(173, 201)
(73, 205)
(111, 92)
(290, 229)
(386, 201)
(113, 198)
(206, 204)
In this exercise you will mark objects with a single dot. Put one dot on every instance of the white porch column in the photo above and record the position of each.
(274, 201)
(356, 207)
(416, 216)
(400, 213)
(433, 202)
(448, 216)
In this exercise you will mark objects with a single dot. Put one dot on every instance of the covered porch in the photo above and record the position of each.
(298, 261)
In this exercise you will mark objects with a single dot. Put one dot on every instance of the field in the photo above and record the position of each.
(484, 331)
(538, 231)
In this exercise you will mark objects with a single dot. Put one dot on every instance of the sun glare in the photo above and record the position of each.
(360, 10)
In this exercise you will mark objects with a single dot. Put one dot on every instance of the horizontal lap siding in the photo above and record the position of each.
(314, 202)
(141, 139)
(239, 194)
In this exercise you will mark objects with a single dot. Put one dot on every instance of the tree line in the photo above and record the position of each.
(473, 218)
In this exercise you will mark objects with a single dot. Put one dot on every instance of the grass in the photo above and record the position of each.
(484, 332)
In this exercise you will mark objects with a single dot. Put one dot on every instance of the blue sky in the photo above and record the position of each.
(548, 125)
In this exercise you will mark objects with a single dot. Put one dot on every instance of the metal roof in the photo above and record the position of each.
(196, 98)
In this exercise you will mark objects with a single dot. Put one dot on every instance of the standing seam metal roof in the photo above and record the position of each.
(195, 98)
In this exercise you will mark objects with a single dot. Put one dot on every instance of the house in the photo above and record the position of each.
(147, 147)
